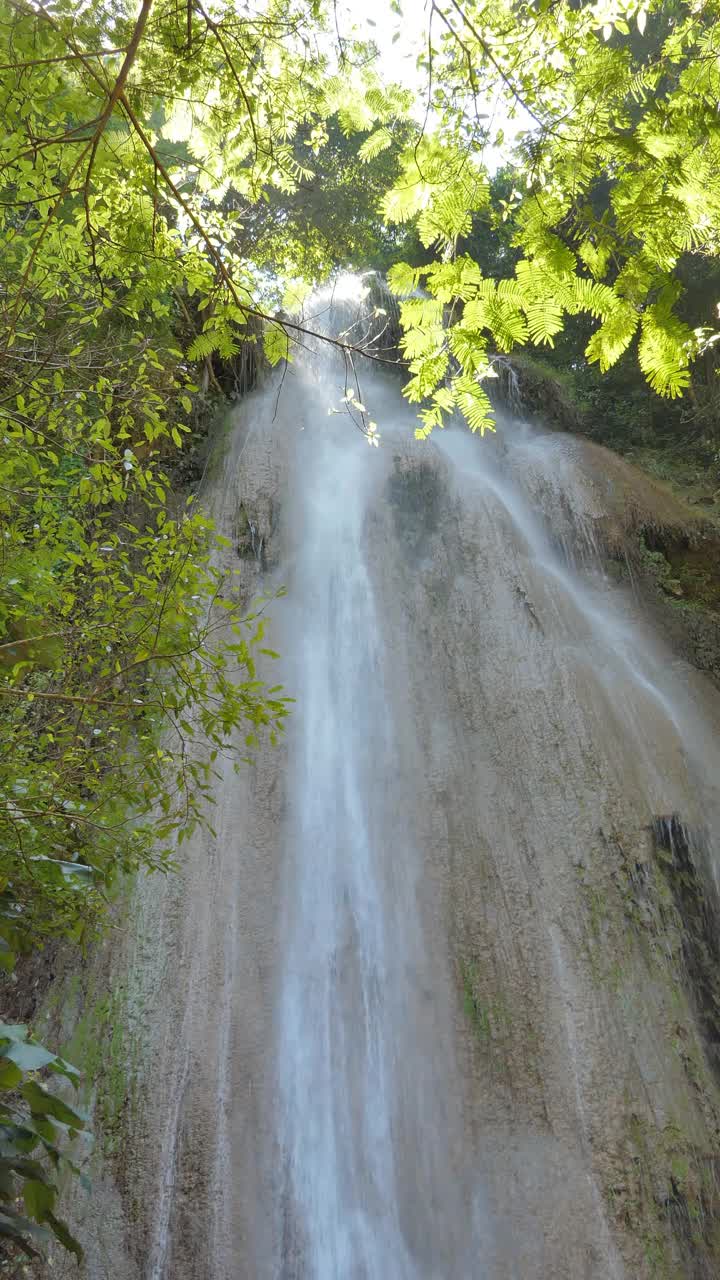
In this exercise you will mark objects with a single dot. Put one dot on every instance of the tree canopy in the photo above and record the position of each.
(167, 172)
(617, 179)
(139, 145)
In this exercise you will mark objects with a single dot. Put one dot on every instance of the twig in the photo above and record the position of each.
(63, 57)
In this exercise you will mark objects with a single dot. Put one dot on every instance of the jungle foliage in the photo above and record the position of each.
(168, 176)
(138, 147)
(617, 181)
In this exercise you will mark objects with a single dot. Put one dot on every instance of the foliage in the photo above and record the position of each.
(332, 219)
(34, 1125)
(617, 180)
(127, 653)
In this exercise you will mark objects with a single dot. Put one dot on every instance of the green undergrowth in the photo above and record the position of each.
(689, 575)
(694, 479)
(89, 1013)
(668, 1195)
(104, 1043)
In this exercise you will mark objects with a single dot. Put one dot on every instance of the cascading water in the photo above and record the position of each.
(355, 1054)
(418, 1027)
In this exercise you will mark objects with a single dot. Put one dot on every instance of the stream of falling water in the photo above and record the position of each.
(357, 1061)
(339, 1003)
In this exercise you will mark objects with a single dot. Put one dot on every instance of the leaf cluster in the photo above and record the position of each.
(617, 179)
(127, 650)
(36, 1127)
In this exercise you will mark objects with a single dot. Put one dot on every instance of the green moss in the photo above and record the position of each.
(683, 861)
(104, 1049)
(485, 1017)
(670, 1200)
(687, 575)
(689, 477)
(665, 1184)
(548, 394)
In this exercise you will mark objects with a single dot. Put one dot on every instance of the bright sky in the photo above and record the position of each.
(400, 41)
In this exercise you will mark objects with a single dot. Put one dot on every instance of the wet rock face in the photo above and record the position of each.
(687, 867)
(664, 1178)
(601, 508)
(423, 1006)
(255, 528)
(536, 393)
(415, 494)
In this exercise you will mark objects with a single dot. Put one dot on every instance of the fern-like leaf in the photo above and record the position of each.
(403, 279)
(373, 146)
(473, 403)
(613, 337)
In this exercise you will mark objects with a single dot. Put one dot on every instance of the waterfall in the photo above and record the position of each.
(355, 1052)
(420, 1008)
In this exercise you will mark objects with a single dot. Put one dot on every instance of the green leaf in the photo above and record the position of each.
(473, 403)
(613, 337)
(10, 1074)
(28, 1056)
(276, 344)
(22, 1230)
(64, 1235)
(13, 1031)
(403, 279)
(43, 1103)
(378, 142)
(39, 1198)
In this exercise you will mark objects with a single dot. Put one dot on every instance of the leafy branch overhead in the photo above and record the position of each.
(170, 176)
(153, 162)
(138, 147)
(617, 178)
